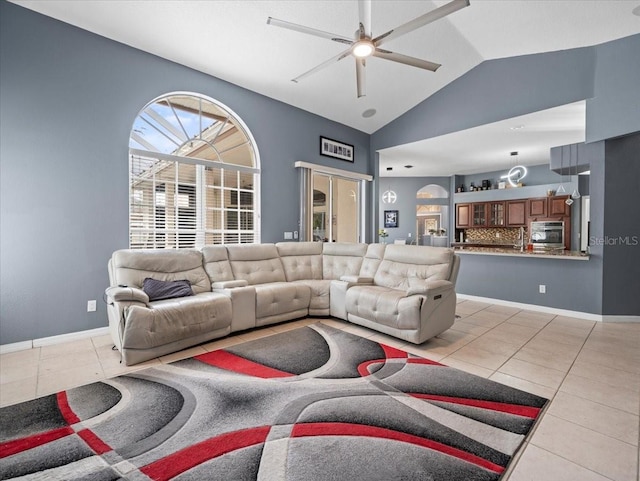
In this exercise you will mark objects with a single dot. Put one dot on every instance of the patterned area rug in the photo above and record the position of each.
(314, 403)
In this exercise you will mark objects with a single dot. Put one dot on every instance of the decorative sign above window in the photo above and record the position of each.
(389, 197)
(335, 149)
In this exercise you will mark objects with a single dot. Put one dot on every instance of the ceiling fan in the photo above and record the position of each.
(365, 45)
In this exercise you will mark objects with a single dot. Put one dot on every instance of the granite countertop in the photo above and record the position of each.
(510, 251)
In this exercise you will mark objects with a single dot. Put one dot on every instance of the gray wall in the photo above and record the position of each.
(536, 175)
(68, 100)
(613, 109)
(607, 75)
(495, 90)
(621, 273)
(406, 189)
(517, 279)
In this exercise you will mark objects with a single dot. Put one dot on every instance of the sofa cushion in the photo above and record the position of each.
(341, 258)
(216, 263)
(384, 305)
(301, 260)
(372, 260)
(130, 267)
(404, 262)
(157, 290)
(319, 293)
(170, 320)
(256, 263)
(277, 298)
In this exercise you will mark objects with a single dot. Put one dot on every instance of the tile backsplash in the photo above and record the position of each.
(494, 234)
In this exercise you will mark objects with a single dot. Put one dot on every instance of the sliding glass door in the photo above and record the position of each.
(335, 208)
(331, 204)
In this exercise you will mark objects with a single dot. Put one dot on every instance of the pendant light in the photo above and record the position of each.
(517, 171)
(560, 189)
(576, 192)
(569, 200)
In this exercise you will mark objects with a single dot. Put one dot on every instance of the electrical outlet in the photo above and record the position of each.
(91, 306)
(288, 235)
(542, 289)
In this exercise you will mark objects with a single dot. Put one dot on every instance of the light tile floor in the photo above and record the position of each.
(590, 371)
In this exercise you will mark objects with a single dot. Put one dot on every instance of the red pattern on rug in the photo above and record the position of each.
(347, 429)
(17, 446)
(231, 362)
(191, 456)
(517, 409)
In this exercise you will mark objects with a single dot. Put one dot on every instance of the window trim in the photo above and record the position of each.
(200, 232)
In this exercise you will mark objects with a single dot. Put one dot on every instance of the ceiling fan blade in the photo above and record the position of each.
(421, 21)
(364, 12)
(308, 30)
(405, 59)
(332, 60)
(361, 77)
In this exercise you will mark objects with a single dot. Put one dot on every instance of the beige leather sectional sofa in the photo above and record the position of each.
(404, 291)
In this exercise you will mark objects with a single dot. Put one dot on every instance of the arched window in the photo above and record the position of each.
(432, 214)
(432, 191)
(194, 175)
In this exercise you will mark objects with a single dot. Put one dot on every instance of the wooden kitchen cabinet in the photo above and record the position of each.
(558, 206)
(479, 217)
(516, 212)
(463, 216)
(537, 208)
(511, 213)
(497, 217)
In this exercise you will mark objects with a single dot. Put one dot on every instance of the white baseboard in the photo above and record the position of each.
(49, 341)
(620, 318)
(16, 346)
(551, 310)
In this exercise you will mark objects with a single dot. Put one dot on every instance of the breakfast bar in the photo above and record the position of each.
(511, 252)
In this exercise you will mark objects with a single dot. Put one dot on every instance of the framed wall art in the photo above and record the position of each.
(335, 149)
(391, 218)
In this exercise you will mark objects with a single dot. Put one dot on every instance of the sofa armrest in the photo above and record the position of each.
(243, 304)
(126, 294)
(357, 280)
(229, 284)
(338, 293)
(429, 288)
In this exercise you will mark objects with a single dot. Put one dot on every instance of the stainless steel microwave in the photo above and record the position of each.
(547, 234)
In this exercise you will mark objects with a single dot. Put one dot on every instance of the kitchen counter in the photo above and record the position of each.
(510, 251)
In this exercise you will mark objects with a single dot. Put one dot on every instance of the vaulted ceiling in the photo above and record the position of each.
(231, 40)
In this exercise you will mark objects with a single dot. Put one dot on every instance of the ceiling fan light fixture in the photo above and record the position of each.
(363, 48)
